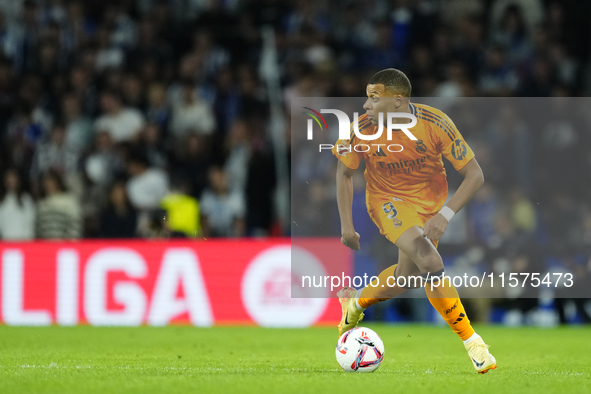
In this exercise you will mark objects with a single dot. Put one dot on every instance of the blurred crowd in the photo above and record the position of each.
(132, 119)
(149, 118)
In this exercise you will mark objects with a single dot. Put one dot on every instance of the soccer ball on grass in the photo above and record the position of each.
(360, 350)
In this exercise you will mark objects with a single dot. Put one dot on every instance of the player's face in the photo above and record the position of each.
(379, 100)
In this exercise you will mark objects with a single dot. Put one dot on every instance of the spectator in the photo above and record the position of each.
(239, 152)
(564, 223)
(566, 67)
(157, 110)
(56, 155)
(532, 10)
(497, 78)
(452, 85)
(421, 65)
(17, 209)
(150, 46)
(113, 82)
(226, 101)
(213, 57)
(152, 146)
(102, 165)
(182, 210)
(83, 87)
(122, 124)
(102, 162)
(108, 55)
(147, 185)
(562, 133)
(192, 162)
(188, 72)
(133, 92)
(119, 219)
(317, 52)
(305, 86)
(539, 83)
(28, 30)
(512, 34)
(259, 190)
(8, 86)
(23, 134)
(79, 131)
(58, 213)
(509, 140)
(123, 27)
(522, 211)
(482, 210)
(252, 95)
(317, 219)
(353, 31)
(77, 27)
(191, 114)
(223, 211)
(441, 50)
(382, 55)
(158, 226)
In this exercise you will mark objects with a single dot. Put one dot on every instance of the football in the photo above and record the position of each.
(360, 350)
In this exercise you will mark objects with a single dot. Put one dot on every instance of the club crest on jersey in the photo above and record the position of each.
(421, 147)
(397, 223)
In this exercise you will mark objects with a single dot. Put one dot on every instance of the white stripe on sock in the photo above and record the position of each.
(473, 337)
(358, 296)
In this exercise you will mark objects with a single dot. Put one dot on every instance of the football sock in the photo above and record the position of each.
(446, 301)
(374, 292)
(473, 337)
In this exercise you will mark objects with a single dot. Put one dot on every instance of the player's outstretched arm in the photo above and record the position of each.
(349, 237)
(473, 180)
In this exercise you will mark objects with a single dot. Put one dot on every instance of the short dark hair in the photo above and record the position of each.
(138, 157)
(393, 80)
(112, 93)
(59, 180)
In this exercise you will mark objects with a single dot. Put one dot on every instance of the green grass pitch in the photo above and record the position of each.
(419, 359)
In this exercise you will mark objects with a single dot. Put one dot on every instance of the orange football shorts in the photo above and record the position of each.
(394, 217)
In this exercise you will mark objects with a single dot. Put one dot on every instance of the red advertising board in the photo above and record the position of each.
(164, 282)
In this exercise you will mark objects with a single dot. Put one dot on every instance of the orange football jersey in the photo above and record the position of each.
(415, 172)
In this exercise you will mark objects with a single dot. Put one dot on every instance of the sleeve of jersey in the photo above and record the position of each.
(453, 146)
(345, 152)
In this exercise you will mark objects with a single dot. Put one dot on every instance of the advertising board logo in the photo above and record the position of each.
(267, 285)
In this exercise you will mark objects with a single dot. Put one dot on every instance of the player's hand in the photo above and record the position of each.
(435, 227)
(351, 240)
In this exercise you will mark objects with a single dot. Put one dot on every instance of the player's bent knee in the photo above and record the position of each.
(431, 263)
(421, 251)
